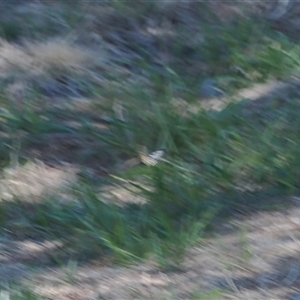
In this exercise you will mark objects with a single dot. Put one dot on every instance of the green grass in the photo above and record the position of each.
(208, 157)
(212, 158)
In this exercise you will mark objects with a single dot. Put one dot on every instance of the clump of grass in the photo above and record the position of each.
(212, 161)
(237, 53)
(207, 155)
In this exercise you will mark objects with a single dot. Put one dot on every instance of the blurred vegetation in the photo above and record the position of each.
(214, 161)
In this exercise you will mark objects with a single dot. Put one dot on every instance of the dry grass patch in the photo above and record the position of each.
(33, 180)
(62, 55)
(40, 58)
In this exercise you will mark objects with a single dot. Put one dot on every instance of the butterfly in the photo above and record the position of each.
(151, 159)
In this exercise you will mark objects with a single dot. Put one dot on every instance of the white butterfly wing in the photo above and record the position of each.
(151, 159)
(157, 155)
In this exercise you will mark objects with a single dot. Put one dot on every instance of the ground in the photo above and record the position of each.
(89, 88)
(253, 256)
